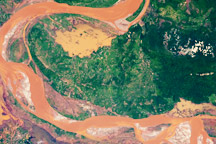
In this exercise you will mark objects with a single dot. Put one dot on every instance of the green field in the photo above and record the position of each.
(89, 3)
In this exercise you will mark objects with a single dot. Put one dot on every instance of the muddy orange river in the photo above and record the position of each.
(13, 75)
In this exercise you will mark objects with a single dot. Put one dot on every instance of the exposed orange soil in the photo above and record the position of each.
(11, 75)
(82, 41)
(188, 109)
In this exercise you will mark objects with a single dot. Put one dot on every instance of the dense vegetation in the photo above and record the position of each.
(139, 74)
(117, 77)
(89, 3)
(179, 76)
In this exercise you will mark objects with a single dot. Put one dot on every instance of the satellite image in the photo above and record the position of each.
(107, 72)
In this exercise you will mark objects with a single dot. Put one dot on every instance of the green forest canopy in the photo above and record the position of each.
(140, 75)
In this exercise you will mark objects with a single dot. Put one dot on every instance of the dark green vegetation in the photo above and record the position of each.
(179, 75)
(89, 3)
(198, 14)
(131, 18)
(212, 99)
(6, 8)
(139, 74)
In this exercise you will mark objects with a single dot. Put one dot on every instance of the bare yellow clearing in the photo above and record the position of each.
(83, 40)
(186, 108)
